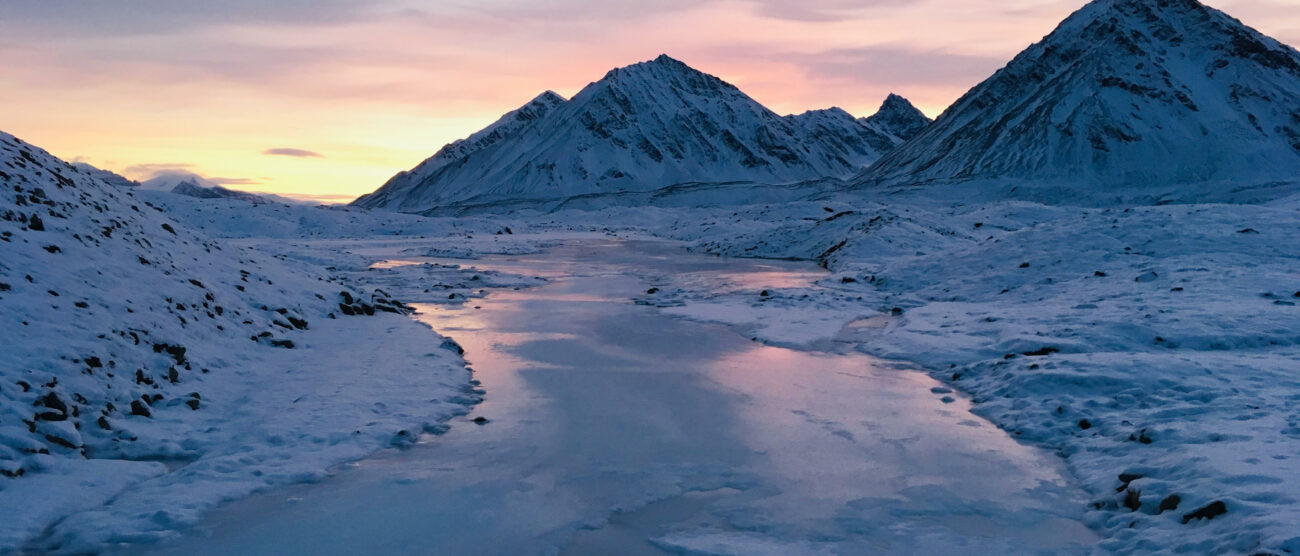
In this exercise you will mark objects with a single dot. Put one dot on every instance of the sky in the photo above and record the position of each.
(327, 99)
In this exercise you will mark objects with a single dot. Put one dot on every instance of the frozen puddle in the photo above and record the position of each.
(617, 429)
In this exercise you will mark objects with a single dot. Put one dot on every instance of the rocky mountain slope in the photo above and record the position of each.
(1124, 92)
(133, 346)
(641, 128)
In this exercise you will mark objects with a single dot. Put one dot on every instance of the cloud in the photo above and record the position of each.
(297, 153)
(153, 170)
(900, 64)
(145, 172)
(820, 10)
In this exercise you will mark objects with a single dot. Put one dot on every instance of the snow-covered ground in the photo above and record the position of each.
(1155, 348)
(150, 372)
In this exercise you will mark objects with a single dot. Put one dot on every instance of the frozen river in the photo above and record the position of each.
(614, 428)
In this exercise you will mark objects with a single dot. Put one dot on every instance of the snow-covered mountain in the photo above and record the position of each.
(640, 128)
(111, 178)
(191, 188)
(194, 185)
(1123, 92)
(897, 117)
(168, 181)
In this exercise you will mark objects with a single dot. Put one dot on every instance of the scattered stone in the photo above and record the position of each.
(35, 224)
(765, 293)
(169, 228)
(1024, 265)
(1170, 503)
(1085, 424)
(194, 404)
(1213, 510)
(481, 421)
(1148, 276)
(1042, 352)
(652, 291)
(139, 408)
(1133, 500)
(896, 311)
(1099, 274)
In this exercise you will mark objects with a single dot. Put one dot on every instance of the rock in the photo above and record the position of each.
(896, 311)
(652, 291)
(1024, 265)
(451, 345)
(481, 421)
(1042, 352)
(1085, 424)
(1133, 500)
(60, 442)
(139, 408)
(1170, 503)
(848, 280)
(765, 293)
(347, 309)
(35, 224)
(1213, 510)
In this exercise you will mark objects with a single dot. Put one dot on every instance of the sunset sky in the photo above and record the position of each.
(328, 98)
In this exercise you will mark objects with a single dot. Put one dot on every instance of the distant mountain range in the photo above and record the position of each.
(642, 128)
(1124, 93)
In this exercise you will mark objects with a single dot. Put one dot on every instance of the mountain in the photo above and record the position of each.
(168, 181)
(194, 185)
(191, 188)
(897, 117)
(1124, 92)
(108, 177)
(640, 128)
(129, 340)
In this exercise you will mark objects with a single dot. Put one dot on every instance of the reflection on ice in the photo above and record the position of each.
(618, 428)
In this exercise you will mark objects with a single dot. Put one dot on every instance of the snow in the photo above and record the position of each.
(1094, 250)
(600, 440)
(131, 396)
(1125, 93)
(641, 128)
(1174, 325)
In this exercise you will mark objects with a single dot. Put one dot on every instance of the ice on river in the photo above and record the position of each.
(614, 427)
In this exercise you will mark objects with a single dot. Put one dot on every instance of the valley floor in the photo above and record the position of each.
(1154, 349)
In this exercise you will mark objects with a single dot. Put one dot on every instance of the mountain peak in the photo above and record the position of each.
(898, 117)
(1123, 92)
(642, 127)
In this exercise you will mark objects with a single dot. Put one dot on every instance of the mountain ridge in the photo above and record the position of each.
(1123, 92)
(639, 128)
